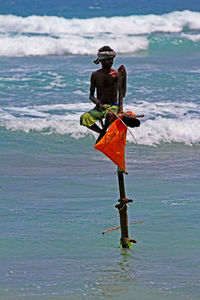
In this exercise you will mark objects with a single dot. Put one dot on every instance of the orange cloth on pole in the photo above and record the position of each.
(113, 143)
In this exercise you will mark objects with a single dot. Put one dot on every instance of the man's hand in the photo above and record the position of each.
(98, 103)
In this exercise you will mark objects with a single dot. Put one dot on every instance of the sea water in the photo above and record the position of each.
(57, 193)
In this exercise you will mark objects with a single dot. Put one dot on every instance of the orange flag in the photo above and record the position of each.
(113, 143)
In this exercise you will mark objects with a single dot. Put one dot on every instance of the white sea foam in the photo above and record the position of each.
(192, 37)
(45, 35)
(167, 130)
(67, 44)
(163, 122)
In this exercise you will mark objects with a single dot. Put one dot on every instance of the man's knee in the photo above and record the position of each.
(87, 120)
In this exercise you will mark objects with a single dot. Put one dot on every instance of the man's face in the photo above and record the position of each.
(107, 63)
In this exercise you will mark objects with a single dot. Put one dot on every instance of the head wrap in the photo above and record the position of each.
(104, 55)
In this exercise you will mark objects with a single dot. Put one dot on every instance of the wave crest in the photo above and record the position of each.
(163, 127)
(45, 35)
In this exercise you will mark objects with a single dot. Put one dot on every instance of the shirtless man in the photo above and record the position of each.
(105, 82)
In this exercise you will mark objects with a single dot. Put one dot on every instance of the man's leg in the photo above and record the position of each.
(89, 119)
(108, 121)
(103, 131)
(95, 128)
(95, 115)
(110, 118)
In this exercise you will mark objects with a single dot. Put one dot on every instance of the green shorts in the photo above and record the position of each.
(94, 115)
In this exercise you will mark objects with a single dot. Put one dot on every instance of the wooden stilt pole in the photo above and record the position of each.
(122, 206)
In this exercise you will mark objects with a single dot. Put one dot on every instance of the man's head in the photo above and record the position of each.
(105, 56)
(105, 49)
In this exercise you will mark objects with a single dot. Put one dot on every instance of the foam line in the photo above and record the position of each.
(51, 35)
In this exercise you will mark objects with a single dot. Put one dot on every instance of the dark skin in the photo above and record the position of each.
(105, 82)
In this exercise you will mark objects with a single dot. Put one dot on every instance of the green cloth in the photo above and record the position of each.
(94, 115)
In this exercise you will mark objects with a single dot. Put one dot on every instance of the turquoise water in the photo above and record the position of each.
(57, 193)
(54, 209)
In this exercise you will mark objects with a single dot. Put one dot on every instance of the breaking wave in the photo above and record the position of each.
(168, 122)
(51, 35)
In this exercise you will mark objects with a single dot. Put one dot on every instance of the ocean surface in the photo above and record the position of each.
(57, 193)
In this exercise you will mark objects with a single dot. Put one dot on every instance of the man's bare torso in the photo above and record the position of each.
(105, 83)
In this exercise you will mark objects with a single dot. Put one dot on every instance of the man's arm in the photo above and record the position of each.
(92, 91)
